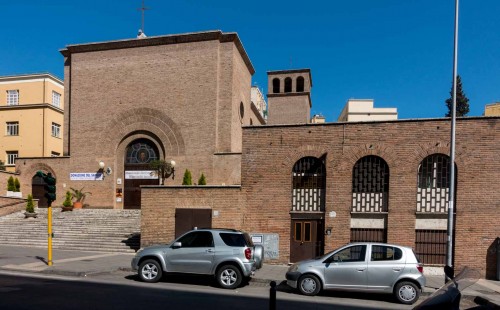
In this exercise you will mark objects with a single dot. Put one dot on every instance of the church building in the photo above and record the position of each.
(300, 189)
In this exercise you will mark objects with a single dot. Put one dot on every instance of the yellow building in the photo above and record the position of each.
(492, 109)
(32, 116)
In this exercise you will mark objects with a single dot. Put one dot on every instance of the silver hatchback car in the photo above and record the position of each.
(228, 254)
(362, 267)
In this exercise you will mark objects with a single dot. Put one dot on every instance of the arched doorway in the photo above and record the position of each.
(38, 191)
(138, 154)
(308, 209)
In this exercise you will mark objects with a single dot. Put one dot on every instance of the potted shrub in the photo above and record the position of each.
(79, 195)
(17, 188)
(10, 186)
(13, 187)
(68, 204)
(202, 180)
(30, 207)
(187, 180)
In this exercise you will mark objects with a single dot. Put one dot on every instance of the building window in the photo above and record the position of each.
(308, 181)
(141, 151)
(11, 157)
(276, 85)
(300, 84)
(13, 97)
(55, 154)
(56, 99)
(370, 185)
(434, 184)
(431, 246)
(288, 85)
(242, 110)
(12, 129)
(56, 130)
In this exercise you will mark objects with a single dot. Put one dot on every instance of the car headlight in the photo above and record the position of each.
(293, 268)
(139, 252)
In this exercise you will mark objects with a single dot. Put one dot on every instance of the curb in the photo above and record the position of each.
(67, 273)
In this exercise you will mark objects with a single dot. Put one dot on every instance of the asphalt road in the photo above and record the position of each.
(123, 291)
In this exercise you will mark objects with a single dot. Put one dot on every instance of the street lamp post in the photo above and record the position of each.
(451, 200)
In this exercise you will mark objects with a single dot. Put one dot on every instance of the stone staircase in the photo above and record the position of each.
(101, 230)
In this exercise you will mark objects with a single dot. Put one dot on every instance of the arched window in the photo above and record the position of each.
(434, 184)
(300, 84)
(276, 85)
(141, 151)
(288, 85)
(308, 185)
(370, 185)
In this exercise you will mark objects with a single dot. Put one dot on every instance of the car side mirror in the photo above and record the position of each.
(177, 245)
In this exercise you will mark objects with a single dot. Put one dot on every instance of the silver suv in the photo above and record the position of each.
(227, 254)
(363, 267)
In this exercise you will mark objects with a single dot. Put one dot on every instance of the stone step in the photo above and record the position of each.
(77, 248)
(84, 230)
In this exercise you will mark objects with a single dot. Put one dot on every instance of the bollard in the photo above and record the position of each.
(272, 296)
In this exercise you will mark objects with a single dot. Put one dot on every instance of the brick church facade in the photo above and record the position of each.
(301, 189)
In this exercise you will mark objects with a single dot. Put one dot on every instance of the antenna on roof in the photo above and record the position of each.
(141, 33)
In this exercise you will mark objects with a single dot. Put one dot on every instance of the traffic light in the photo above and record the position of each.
(50, 186)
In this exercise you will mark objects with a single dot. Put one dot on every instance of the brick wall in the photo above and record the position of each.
(158, 204)
(10, 205)
(269, 154)
(181, 92)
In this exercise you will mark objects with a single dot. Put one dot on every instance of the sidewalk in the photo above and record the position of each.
(82, 264)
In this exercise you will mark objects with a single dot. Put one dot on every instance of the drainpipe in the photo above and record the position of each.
(43, 120)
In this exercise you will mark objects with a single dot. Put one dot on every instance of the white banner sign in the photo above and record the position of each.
(90, 176)
(141, 174)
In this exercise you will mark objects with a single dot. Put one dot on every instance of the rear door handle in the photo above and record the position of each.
(396, 269)
(361, 269)
(210, 251)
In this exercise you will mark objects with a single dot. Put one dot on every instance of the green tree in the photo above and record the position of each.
(462, 100)
(30, 207)
(10, 184)
(202, 180)
(163, 169)
(17, 185)
(2, 165)
(187, 180)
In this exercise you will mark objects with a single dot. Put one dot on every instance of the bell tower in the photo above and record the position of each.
(289, 96)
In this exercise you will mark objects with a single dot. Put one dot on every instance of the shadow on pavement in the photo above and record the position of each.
(283, 287)
(199, 280)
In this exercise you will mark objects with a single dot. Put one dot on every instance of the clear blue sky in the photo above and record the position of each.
(397, 52)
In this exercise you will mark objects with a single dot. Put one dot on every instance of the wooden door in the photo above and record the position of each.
(306, 240)
(187, 219)
(132, 187)
(38, 191)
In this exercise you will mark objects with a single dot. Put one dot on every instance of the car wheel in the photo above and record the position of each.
(407, 293)
(229, 277)
(309, 285)
(150, 271)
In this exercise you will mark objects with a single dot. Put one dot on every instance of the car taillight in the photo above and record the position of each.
(420, 269)
(248, 253)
